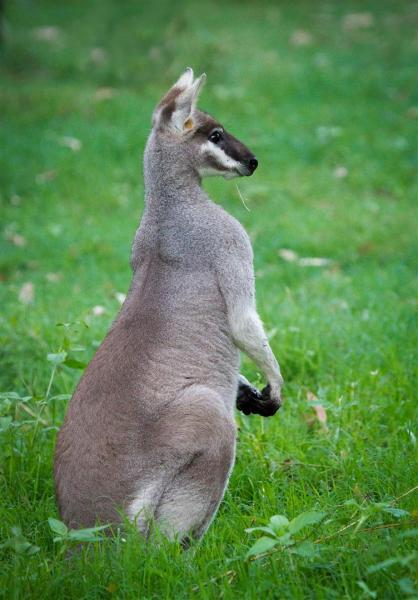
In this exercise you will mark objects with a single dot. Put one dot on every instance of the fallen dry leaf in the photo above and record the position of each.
(27, 293)
(320, 412)
(326, 133)
(55, 229)
(358, 21)
(16, 239)
(53, 277)
(314, 262)
(104, 93)
(120, 297)
(45, 176)
(288, 255)
(98, 56)
(310, 396)
(412, 112)
(341, 303)
(366, 248)
(15, 200)
(340, 172)
(70, 142)
(49, 33)
(301, 38)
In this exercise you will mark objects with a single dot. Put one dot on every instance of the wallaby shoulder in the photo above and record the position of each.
(200, 231)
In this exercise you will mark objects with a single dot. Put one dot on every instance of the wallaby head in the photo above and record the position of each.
(195, 141)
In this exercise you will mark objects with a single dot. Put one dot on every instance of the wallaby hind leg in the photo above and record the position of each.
(206, 430)
(191, 500)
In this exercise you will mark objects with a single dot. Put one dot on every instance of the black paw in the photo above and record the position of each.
(247, 397)
(251, 401)
(269, 404)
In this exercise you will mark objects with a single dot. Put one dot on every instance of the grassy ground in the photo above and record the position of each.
(324, 96)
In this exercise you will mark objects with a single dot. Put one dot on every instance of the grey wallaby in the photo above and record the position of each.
(150, 429)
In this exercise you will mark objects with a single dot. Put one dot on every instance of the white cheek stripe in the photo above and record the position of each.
(221, 157)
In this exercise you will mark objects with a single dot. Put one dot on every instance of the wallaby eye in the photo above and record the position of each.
(216, 136)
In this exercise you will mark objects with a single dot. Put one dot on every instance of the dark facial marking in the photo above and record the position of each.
(228, 143)
(234, 148)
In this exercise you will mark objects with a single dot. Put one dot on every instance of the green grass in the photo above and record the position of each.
(344, 332)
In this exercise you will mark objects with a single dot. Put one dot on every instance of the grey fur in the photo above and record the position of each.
(150, 428)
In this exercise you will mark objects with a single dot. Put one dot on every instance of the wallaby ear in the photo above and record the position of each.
(185, 79)
(175, 111)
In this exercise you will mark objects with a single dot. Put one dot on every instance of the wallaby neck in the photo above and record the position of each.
(169, 180)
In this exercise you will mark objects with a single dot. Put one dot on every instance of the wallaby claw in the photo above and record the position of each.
(251, 401)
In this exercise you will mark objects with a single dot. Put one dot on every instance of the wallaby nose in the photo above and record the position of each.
(253, 164)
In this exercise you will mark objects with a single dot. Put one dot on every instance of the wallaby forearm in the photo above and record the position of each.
(249, 336)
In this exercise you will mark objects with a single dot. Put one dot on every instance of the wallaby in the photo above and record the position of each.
(150, 430)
